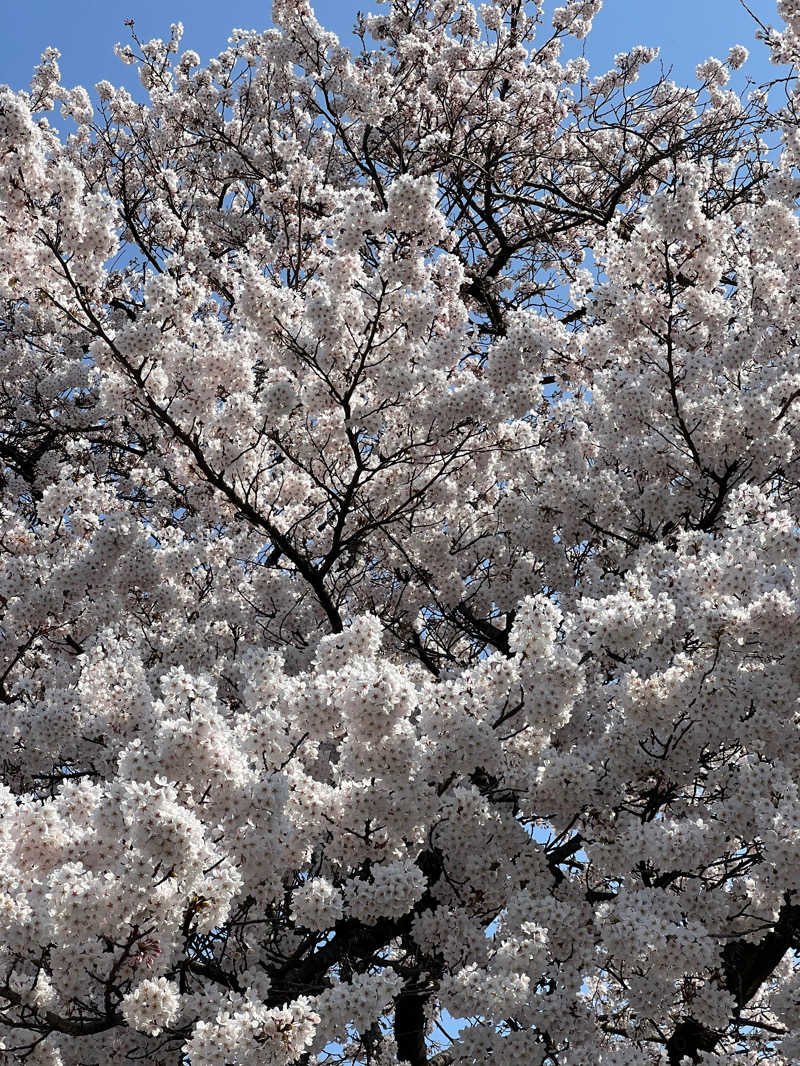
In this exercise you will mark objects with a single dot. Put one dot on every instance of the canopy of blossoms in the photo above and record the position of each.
(400, 552)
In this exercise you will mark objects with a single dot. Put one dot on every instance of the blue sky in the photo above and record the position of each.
(687, 31)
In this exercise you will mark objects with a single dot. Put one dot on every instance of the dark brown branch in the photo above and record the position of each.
(745, 968)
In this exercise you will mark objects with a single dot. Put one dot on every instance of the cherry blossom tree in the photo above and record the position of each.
(400, 552)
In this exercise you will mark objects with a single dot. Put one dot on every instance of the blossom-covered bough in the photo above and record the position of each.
(400, 548)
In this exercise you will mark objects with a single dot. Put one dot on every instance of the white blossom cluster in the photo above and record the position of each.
(254, 1034)
(152, 1005)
